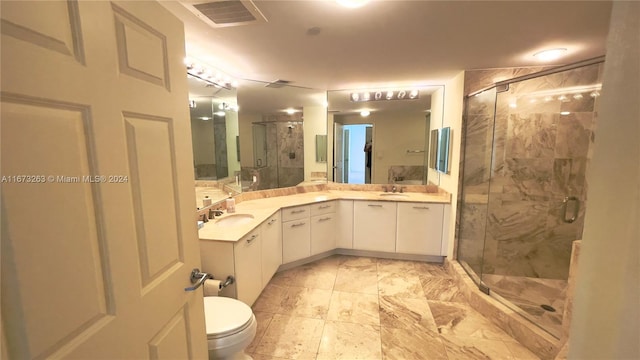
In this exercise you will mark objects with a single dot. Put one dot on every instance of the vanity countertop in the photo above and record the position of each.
(262, 209)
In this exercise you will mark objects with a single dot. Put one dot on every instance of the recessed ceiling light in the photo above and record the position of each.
(550, 55)
(290, 111)
(352, 3)
(564, 113)
(365, 113)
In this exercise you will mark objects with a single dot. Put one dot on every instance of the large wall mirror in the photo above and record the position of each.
(383, 136)
(278, 127)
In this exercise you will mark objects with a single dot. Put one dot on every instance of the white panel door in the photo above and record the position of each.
(338, 153)
(98, 230)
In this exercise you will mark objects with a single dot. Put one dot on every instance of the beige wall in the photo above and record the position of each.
(204, 151)
(606, 320)
(453, 105)
(392, 137)
(315, 123)
(232, 131)
(245, 121)
(437, 108)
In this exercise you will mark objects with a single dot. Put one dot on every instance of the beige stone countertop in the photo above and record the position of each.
(262, 209)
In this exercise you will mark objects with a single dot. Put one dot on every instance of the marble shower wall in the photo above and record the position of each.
(519, 166)
(285, 156)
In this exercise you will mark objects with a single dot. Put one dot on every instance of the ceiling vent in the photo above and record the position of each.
(278, 84)
(226, 12)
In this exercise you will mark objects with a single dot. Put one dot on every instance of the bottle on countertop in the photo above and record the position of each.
(206, 201)
(231, 204)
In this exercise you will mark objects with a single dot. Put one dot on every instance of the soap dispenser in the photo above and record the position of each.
(231, 204)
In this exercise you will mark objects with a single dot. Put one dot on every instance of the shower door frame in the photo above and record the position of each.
(499, 87)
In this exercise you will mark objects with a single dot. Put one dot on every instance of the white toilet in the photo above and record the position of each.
(231, 327)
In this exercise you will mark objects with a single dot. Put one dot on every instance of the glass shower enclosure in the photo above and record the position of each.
(527, 145)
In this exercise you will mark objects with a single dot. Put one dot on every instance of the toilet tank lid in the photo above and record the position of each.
(223, 314)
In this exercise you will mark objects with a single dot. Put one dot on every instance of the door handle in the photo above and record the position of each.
(576, 208)
(197, 278)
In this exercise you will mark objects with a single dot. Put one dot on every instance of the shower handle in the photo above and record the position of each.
(576, 208)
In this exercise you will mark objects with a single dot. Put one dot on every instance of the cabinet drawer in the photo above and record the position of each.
(296, 212)
(323, 208)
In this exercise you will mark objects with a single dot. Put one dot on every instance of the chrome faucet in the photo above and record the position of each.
(214, 213)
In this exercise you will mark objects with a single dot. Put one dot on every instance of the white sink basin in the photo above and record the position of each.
(400, 195)
(234, 220)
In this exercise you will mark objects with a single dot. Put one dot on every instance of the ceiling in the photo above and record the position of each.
(393, 42)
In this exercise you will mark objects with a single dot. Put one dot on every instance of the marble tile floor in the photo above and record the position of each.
(346, 307)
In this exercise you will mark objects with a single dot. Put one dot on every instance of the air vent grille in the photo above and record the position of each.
(278, 84)
(225, 12)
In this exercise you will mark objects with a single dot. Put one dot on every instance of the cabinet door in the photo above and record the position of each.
(374, 225)
(271, 247)
(248, 267)
(344, 224)
(419, 228)
(296, 240)
(323, 230)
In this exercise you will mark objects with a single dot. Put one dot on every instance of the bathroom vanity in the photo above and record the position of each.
(288, 231)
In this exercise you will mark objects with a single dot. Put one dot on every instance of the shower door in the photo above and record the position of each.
(524, 187)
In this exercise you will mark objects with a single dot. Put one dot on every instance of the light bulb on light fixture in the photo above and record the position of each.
(413, 94)
(366, 96)
(577, 96)
(389, 95)
(290, 111)
(378, 95)
(402, 94)
(550, 55)
(355, 96)
(365, 113)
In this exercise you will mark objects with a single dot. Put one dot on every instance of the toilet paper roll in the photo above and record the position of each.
(212, 287)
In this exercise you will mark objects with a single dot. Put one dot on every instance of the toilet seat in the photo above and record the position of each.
(225, 316)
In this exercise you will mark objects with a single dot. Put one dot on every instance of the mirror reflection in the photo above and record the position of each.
(278, 127)
(214, 133)
(382, 136)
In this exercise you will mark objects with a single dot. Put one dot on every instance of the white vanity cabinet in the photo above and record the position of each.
(248, 267)
(344, 224)
(374, 225)
(271, 246)
(419, 229)
(323, 227)
(296, 233)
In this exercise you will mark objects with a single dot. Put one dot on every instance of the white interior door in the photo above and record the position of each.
(338, 153)
(98, 224)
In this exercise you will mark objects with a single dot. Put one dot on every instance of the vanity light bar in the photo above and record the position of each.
(380, 95)
(207, 75)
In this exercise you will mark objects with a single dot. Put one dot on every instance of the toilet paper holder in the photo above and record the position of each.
(198, 278)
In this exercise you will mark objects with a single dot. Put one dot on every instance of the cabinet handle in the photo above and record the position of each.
(298, 211)
(374, 205)
(272, 221)
(253, 237)
(421, 207)
(298, 224)
(324, 207)
(324, 219)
